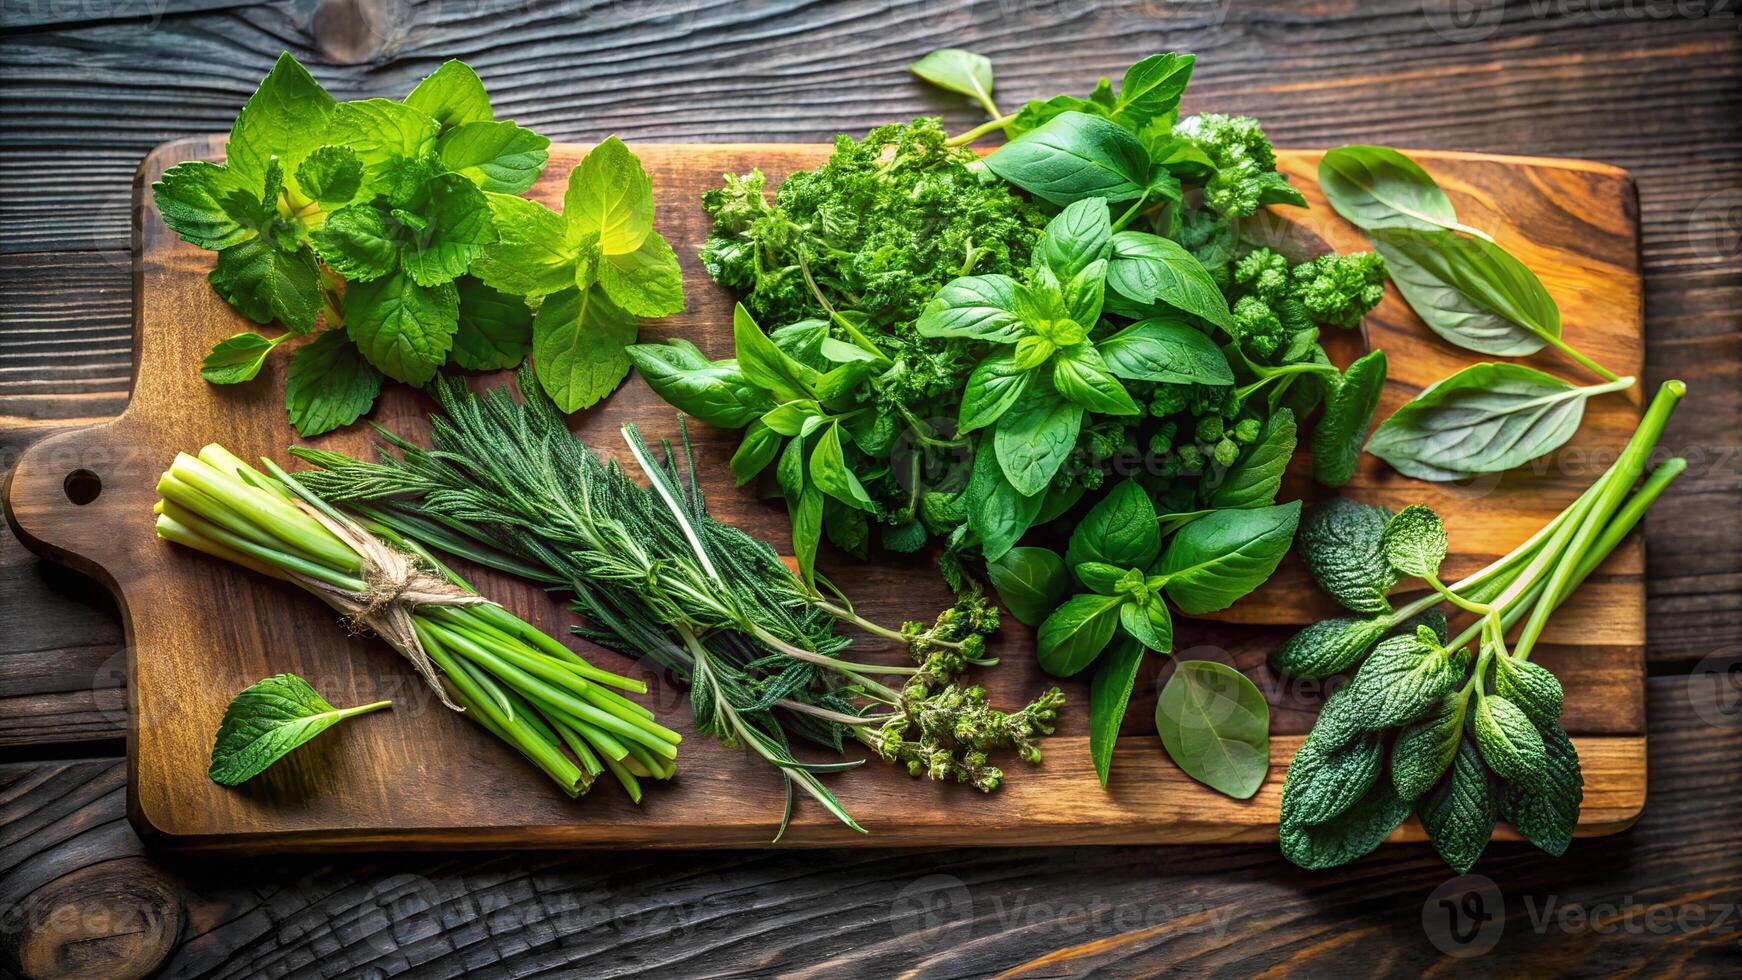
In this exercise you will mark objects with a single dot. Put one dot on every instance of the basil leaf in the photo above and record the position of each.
(1471, 292)
(1147, 269)
(329, 384)
(403, 328)
(766, 365)
(1148, 624)
(806, 512)
(1074, 156)
(957, 71)
(1215, 725)
(267, 720)
(238, 358)
(1415, 541)
(1082, 377)
(1341, 544)
(1342, 428)
(1099, 576)
(1459, 814)
(993, 386)
(831, 475)
(980, 307)
(1376, 187)
(1031, 582)
(1109, 695)
(1120, 530)
(1080, 235)
(580, 341)
(755, 451)
(997, 512)
(1217, 559)
(1257, 478)
(1165, 349)
(1152, 88)
(716, 393)
(1547, 812)
(1487, 418)
(1076, 633)
(1033, 438)
(452, 95)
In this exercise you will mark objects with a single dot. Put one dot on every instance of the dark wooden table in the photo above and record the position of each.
(88, 86)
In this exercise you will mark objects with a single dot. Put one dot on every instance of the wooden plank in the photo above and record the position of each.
(188, 656)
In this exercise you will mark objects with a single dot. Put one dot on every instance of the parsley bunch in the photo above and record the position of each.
(361, 223)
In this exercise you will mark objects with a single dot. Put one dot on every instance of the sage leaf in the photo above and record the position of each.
(266, 721)
(1510, 744)
(1415, 541)
(1215, 725)
(1353, 834)
(1109, 695)
(1546, 813)
(1076, 633)
(1120, 530)
(1425, 747)
(1073, 156)
(1487, 418)
(1459, 813)
(1031, 582)
(1339, 542)
(1324, 781)
(1217, 559)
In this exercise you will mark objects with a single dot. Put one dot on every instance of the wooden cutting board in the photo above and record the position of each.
(199, 629)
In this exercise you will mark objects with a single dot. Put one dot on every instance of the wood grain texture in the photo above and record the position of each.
(190, 651)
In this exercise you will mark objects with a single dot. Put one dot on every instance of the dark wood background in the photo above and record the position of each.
(88, 86)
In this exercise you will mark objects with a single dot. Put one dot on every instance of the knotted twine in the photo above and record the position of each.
(395, 586)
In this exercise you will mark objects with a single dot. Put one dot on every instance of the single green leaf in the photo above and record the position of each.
(531, 255)
(645, 282)
(766, 365)
(1109, 694)
(494, 330)
(1256, 478)
(1546, 812)
(1081, 376)
(1470, 291)
(807, 526)
(980, 307)
(1510, 744)
(1341, 544)
(1074, 156)
(1085, 295)
(1148, 624)
(404, 329)
(1342, 429)
(1487, 418)
(1531, 686)
(997, 512)
(389, 137)
(1215, 725)
(238, 358)
(1075, 633)
(358, 243)
(830, 473)
(265, 284)
(1350, 836)
(1376, 187)
(269, 719)
(286, 117)
(1216, 560)
(579, 342)
(495, 156)
(1148, 269)
(452, 95)
(1033, 438)
(1077, 237)
(1415, 541)
(1031, 582)
(1165, 349)
(1031, 352)
(329, 385)
(1402, 679)
(956, 70)
(332, 175)
(714, 392)
(1099, 576)
(1327, 647)
(1120, 530)
(1325, 780)
(456, 226)
(993, 386)
(1459, 813)
(209, 205)
(755, 451)
(1152, 87)
(1425, 747)
(794, 417)
(611, 195)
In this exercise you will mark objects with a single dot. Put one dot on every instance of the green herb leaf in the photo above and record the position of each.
(1030, 582)
(1257, 478)
(358, 243)
(286, 117)
(456, 227)
(1075, 633)
(645, 282)
(1152, 87)
(1459, 813)
(1081, 376)
(1074, 156)
(1341, 544)
(1352, 835)
(755, 451)
(1033, 438)
(979, 307)
(496, 156)
(1147, 269)
(494, 331)
(766, 365)
(238, 358)
(1403, 678)
(1120, 530)
(579, 343)
(1215, 725)
(1165, 349)
(1219, 558)
(403, 328)
(611, 195)
(1510, 744)
(329, 385)
(829, 471)
(1327, 647)
(715, 392)
(389, 137)
(1545, 813)
(1532, 687)
(332, 175)
(1425, 747)
(1325, 780)
(993, 386)
(452, 95)
(209, 205)
(997, 512)
(531, 255)
(1109, 695)
(1348, 411)
(1487, 418)
(1077, 237)
(1148, 624)
(1415, 541)
(265, 284)
(957, 71)
(1471, 292)
(269, 719)
(1376, 187)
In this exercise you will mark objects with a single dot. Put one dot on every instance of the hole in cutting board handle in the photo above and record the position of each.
(82, 486)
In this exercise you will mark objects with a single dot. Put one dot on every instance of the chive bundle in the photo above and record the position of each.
(513, 679)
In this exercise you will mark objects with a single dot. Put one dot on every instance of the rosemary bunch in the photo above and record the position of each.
(507, 485)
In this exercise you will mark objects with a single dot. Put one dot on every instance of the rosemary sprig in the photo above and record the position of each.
(507, 485)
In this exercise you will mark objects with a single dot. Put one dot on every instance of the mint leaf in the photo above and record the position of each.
(496, 156)
(579, 346)
(531, 255)
(332, 175)
(269, 719)
(495, 329)
(237, 359)
(286, 117)
(1459, 814)
(454, 226)
(403, 328)
(329, 385)
(208, 205)
(645, 282)
(452, 95)
(265, 284)
(387, 136)
(357, 242)
(1546, 812)
(610, 194)
(1415, 541)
